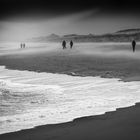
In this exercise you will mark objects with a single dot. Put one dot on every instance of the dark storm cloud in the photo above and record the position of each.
(11, 8)
(53, 8)
(20, 20)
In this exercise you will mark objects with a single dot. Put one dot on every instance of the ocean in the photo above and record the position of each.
(29, 99)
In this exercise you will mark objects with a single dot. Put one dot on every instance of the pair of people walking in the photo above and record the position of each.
(64, 44)
(22, 45)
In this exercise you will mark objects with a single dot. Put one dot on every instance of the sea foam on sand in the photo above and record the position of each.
(29, 99)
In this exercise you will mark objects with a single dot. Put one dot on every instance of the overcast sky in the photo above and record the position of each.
(20, 20)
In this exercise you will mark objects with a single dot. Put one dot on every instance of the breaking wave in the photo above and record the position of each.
(29, 99)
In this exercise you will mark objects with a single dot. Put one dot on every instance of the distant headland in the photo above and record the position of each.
(119, 36)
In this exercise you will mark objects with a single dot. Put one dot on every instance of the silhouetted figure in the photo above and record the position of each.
(21, 45)
(133, 45)
(24, 45)
(64, 44)
(71, 44)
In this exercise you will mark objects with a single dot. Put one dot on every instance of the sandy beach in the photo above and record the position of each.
(110, 60)
(69, 70)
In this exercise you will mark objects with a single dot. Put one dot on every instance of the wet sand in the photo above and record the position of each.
(110, 60)
(123, 124)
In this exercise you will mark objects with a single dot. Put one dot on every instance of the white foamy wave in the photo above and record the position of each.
(29, 99)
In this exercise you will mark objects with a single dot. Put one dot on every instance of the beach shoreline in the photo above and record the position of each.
(118, 125)
(75, 69)
(86, 59)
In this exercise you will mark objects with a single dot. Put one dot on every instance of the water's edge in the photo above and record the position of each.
(116, 82)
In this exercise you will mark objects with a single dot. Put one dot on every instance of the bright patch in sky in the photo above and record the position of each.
(94, 21)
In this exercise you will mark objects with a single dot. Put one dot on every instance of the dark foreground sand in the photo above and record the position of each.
(124, 124)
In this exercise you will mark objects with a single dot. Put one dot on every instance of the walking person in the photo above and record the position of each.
(133, 45)
(64, 44)
(71, 44)
(24, 45)
(21, 45)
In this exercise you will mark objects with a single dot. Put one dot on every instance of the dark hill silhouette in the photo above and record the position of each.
(126, 35)
(129, 31)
